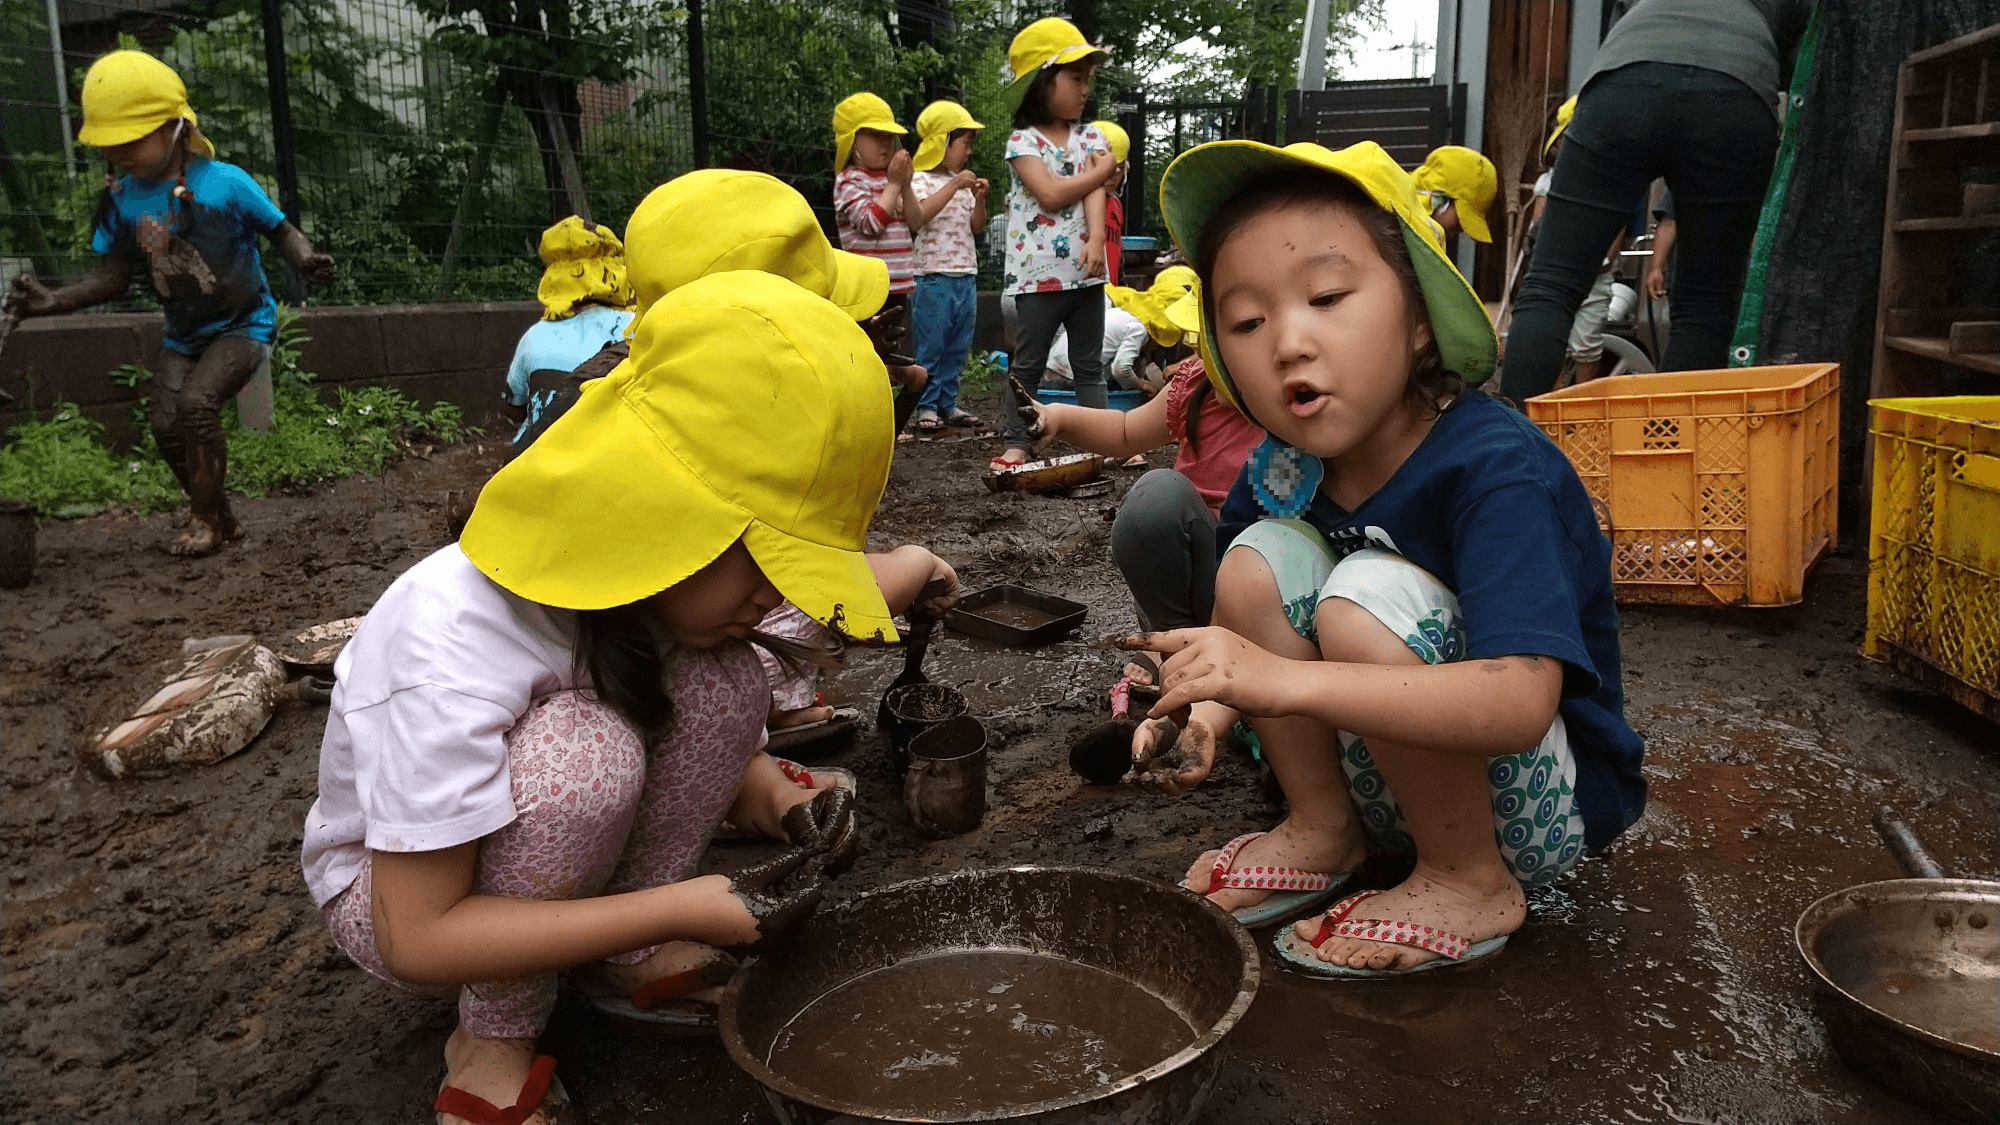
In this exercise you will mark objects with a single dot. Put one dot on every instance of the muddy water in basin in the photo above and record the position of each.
(958, 1032)
(1015, 614)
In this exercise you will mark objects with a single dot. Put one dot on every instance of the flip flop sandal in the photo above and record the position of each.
(667, 1004)
(542, 1092)
(797, 739)
(924, 425)
(1295, 892)
(1453, 951)
(819, 777)
(963, 418)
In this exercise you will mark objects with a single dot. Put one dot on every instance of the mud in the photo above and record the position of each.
(958, 1033)
(926, 703)
(1015, 615)
(163, 963)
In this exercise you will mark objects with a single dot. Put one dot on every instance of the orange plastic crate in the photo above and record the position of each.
(1716, 487)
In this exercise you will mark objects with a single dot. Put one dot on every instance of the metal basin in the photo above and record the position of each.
(1174, 944)
(1910, 976)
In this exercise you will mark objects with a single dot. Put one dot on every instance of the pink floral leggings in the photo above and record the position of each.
(594, 810)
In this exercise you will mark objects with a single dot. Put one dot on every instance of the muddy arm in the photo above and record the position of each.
(316, 265)
(110, 279)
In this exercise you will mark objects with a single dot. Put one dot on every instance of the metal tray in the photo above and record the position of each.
(1016, 616)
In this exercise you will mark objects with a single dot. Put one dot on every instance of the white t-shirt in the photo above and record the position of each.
(1124, 335)
(415, 755)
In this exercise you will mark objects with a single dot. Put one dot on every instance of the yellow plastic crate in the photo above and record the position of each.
(1934, 544)
(1716, 487)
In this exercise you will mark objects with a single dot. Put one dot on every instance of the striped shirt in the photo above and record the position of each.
(865, 228)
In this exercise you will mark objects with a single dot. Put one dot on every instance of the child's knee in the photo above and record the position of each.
(1349, 633)
(1245, 588)
(577, 755)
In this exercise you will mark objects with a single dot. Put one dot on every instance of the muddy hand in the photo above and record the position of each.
(28, 297)
(825, 826)
(1172, 758)
(938, 596)
(886, 330)
(1034, 416)
(319, 269)
(776, 914)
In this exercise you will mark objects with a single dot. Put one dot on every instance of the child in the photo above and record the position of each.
(1055, 214)
(536, 730)
(1460, 184)
(1414, 607)
(1164, 537)
(586, 304)
(949, 215)
(1114, 207)
(871, 201)
(194, 220)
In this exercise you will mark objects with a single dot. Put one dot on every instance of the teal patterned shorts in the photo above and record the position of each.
(1535, 818)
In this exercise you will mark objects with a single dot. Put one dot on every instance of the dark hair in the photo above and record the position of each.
(107, 208)
(1034, 107)
(1431, 386)
(951, 138)
(625, 656)
(1200, 391)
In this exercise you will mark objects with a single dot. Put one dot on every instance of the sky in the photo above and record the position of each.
(1385, 52)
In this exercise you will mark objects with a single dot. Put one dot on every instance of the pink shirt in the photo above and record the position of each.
(865, 228)
(1224, 439)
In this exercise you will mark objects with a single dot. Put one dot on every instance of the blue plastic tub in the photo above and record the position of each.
(1120, 399)
(1138, 242)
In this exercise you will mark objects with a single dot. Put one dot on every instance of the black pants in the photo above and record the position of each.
(1714, 140)
(1080, 312)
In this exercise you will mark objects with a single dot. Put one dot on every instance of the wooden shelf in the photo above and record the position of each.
(1949, 222)
(1954, 132)
(1939, 348)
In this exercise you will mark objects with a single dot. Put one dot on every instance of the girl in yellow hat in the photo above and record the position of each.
(537, 729)
(587, 304)
(1414, 604)
(194, 221)
(1114, 207)
(950, 214)
(1055, 248)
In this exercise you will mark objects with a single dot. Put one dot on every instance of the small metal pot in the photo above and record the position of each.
(17, 543)
(916, 708)
(945, 789)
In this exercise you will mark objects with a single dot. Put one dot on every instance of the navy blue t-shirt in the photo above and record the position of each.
(1492, 508)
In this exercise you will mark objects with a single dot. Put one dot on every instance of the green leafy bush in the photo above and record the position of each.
(64, 466)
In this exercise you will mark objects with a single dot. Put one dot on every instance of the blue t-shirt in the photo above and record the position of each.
(563, 345)
(1491, 507)
(203, 263)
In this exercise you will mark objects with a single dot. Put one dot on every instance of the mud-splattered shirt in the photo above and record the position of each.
(1045, 249)
(200, 255)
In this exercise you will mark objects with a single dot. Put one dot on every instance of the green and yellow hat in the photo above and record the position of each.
(1204, 178)
(128, 94)
(935, 125)
(855, 113)
(1046, 43)
(1468, 178)
(718, 219)
(661, 466)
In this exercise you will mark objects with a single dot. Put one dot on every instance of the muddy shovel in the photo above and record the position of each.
(918, 640)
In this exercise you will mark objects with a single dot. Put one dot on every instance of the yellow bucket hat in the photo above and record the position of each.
(1468, 178)
(128, 94)
(1564, 112)
(1205, 177)
(1115, 136)
(718, 219)
(855, 113)
(1041, 45)
(1151, 306)
(582, 262)
(660, 466)
(935, 126)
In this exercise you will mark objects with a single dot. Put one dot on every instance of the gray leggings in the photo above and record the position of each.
(1164, 544)
(1036, 316)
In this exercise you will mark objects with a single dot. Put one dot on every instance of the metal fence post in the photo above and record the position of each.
(1135, 174)
(281, 135)
(697, 84)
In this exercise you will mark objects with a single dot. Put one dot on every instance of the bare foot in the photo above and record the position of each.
(203, 538)
(494, 1069)
(779, 720)
(671, 959)
(1473, 908)
(1284, 846)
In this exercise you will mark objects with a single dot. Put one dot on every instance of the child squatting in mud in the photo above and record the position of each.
(537, 729)
(194, 220)
(1415, 607)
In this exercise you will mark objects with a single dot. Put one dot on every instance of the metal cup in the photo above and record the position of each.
(945, 789)
(916, 708)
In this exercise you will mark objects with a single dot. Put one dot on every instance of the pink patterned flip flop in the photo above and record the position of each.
(1452, 949)
(1293, 891)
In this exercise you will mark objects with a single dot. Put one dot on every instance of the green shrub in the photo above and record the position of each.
(982, 373)
(63, 466)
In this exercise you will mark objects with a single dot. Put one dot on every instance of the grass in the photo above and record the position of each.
(982, 373)
(64, 467)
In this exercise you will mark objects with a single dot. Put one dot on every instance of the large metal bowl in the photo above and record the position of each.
(1171, 942)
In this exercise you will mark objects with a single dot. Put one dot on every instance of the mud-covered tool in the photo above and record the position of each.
(1909, 973)
(917, 640)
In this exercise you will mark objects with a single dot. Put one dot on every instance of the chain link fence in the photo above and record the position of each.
(427, 143)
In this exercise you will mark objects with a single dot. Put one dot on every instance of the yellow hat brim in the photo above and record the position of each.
(1017, 89)
(860, 283)
(843, 143)
(945, 118)
(1206, 176)
(125, 132)
(1473, 223)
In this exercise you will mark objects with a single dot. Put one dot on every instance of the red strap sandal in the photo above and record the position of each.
(479, 1111)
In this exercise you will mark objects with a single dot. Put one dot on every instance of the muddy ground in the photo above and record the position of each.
(163, 962)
